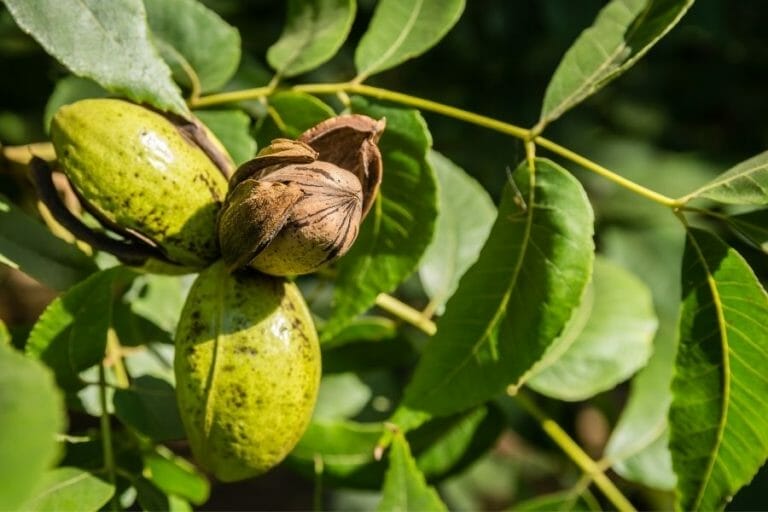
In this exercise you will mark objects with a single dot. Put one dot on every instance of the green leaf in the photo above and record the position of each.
(753, 226)
(69, 90)
(28, 245)
(134, 330)
(108, 42)
(404, 486)
(364, 328)
(159, 298)
(175, 476)
(341, 395)
(622, 32)
(5, 336)
(194, 39)
(290, 114)
(614, 343)
(313, 32)
(463, 223)
(515, 300)
(403, 29)
(719, 412)
(149, 406)
(400, 225)
(637, 448)
(561, 501)
(233, 129)
(746, 183)
(66, 488)
(32, 415)
(71, 334)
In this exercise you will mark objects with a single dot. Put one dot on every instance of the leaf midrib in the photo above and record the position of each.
(397, 43)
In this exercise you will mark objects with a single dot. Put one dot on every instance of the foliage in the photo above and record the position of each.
(560, 287)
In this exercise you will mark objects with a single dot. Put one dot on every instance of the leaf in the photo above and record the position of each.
(614, 343)
(560, 501)
(71, 334)
(637, 448)
(28, 245)
(399, 227)
(32, 415)
(175, 476)
(622, 32)
(341, 395)
(108, 42)
(69, 90)
(365, 328)
(404, 486)
(149, 406)
(753, 226)
(290, 114)
(313, 32)
(5, 336)
(465, 217)
(233, 129)
(191, 36)
(68, 488)
(134, 330)
(746, 183)
(401, 30)
(718, 417)
(514, 301)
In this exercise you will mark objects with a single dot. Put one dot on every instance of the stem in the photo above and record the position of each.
(106, 435)
(115, 356)
(576, 454)
(24, 154)
(605, 173)
(231, 97)
(406, 313)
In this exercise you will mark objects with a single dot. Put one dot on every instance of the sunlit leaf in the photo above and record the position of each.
(719, 412)
(32, 415)
(71, 334)
(28, 245)
(404, 486)
(465, 217)
(399, 226)
(622, 32)
(313, 33)
(746, 183)
(108, 42)
(175, 476)
(403, 29)
(69, 488)
(194, 39)
(613, 344)
(515, 300)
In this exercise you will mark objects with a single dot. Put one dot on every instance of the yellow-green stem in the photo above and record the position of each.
(106, 435)
(115, 356)
(231, 97)
(576, 454)
(406, 313)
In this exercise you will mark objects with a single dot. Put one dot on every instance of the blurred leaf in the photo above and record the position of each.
(622, 32)
(614, 343)
(71, 334)
(108, 42)
(364, 328)
(404, 486)
(290, 114)
(746, 183)
(149, 406)
(32, 415)
(28, 245)
(561, 501)
(512, 303)
(134, 330)
(341, 395)
(637, 448)
(401, 30)
(400, 225)
(5, 336)
(313, 32)
(175, 476)
(155, 360)
(233, 129)
(465, 217)
(69, 488)
(150, 498)
(719, 412)
(192, 37)
(69, 90)
(753, 226)
(159, 298)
